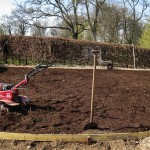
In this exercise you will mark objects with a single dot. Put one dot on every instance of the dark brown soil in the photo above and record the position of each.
(61, 100)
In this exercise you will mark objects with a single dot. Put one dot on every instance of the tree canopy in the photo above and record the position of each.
(113, 21)
(144, 41)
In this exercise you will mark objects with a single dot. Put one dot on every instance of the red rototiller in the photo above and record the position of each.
(9, 93)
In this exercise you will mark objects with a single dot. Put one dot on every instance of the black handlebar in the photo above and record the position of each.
(38, 68)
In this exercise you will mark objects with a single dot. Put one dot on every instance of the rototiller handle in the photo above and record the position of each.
(38, 68)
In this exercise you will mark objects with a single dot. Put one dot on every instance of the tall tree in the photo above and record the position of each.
(19, 23)
(110, 23)
(136, 10)
(57, 10)
(7, 24)
(144, 41)
(93, 8)
(14, 24)
(36, 31)
(1, 30)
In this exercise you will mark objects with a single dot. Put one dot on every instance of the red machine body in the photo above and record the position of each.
(9, 94)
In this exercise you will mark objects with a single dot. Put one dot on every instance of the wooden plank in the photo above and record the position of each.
(72, 137)
(42, 137)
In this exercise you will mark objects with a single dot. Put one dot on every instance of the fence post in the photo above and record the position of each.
(133, 46)
(5, 51)
(26, 63)
(5, 59)
(19, 60)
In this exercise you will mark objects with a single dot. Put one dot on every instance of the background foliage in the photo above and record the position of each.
(66, 51)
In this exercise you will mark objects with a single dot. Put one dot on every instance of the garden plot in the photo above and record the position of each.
(61, 101)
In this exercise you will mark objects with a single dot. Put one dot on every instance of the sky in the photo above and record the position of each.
(6, 6)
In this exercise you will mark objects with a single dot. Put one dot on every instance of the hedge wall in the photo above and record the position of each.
(66, 51)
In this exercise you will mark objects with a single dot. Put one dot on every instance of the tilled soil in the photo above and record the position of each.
(61, 100)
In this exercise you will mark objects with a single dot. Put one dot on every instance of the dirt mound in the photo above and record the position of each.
(61, 101)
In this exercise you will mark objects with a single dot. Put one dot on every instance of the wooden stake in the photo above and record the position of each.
(93, 84)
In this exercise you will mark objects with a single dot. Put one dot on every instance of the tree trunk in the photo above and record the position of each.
(75, 36)
(94, 33)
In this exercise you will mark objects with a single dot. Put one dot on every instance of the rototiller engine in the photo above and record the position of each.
(9, 94)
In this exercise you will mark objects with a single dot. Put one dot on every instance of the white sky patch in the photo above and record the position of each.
(5, 7)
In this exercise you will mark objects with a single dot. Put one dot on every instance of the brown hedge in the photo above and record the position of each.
(47, 49)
